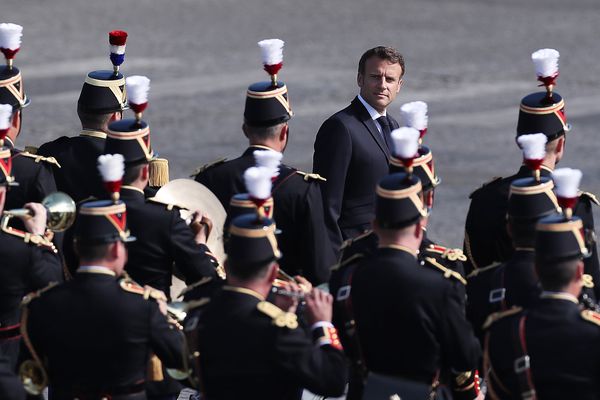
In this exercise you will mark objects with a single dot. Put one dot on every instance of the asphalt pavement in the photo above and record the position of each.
(469, 60)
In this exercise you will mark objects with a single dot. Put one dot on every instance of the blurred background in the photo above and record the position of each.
(468, 59)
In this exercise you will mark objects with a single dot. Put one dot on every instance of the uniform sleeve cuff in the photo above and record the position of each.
(325, 334)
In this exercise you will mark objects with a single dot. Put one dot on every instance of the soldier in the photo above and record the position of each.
(276, 358)
(102, 101)
(392, 296)
(298, 209)
(34, 173)
(164, 240)
(501, 286)
(92, 336)
(486, 238)
(29, 262)
(550, 350)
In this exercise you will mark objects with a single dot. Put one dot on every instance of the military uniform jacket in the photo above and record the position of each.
(410, 319)
(25, 267)
(563, 346)
(95, 334)
(163, 240)
(78, 158)
(35, 178)
(486, 238)
(298, 213)
(244, 354)
(11, 387)
(351, 154)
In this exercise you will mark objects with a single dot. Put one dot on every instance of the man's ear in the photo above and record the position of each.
(399, 85)
(283, 133)
(15, 121)
(560, 145)
(245, 130)
(579, 271)
(273, 271)
(113, 250)
(360, 80)
(145, 172)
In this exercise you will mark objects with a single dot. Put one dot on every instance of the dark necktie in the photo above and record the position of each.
(386, 132)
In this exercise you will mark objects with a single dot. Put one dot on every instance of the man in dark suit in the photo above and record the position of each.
(410, 320)
(552, 349)
(94, 334)
(352, 147)
(298, 209)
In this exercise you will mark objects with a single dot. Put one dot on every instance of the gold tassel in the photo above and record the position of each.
(155, 372)
(159, 172)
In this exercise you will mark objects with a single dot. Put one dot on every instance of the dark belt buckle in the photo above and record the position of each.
(497, 295)
(522, 364)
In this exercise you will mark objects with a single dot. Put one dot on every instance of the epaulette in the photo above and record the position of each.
(447, 253)
(197, 303)
(279, 317)
(478, 271)
(37, 159)
(207, 166)
(448, 273)
(592, 197)
(588, 281)
(34, 295)
(38, 240)
(591, 316)
(148, 292)
(169, 206)
(499, 315)
(194, 285)
(494, 179)
(308, 177)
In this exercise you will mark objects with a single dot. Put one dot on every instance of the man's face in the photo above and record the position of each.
(380, 82)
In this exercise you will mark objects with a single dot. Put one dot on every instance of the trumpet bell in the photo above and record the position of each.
(33, 377)
(61, 211)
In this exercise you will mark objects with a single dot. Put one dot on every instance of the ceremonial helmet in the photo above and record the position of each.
(242, 203)
(11, 82)
(102, 222)
(267, 103)
(544, 111)
(103, 91)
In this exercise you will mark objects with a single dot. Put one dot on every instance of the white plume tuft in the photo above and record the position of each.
(269, 159)
(546, 62)
(111, 167)
(137, 89)
(258, 182)
(10, 36)
(533, 146)
(414, 114)
(406, 142)
(271, 51)
(566, 182)
(6, 111)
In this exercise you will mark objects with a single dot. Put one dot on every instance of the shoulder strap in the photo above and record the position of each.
(279, 317)
(37, 159)
(448, 273)
(128, 285)
(307, 177)
(592, 197)
(591, 316)
(207, 166)
(492, 318)
(285, 173)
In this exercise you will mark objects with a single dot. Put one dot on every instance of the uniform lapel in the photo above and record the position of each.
(365, 118)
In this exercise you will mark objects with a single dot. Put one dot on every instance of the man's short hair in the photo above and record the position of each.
(248, 272)
(522, 231)
(132, 172)
(385, 53)
(556, 276)
(92, 120)
(263, 132)
(91, 252)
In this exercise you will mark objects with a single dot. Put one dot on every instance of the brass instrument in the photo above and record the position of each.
(280, 282)
(61, 211)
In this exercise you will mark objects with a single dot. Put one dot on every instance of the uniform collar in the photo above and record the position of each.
(372, 112)
(250, 150)
(133, 188)
(401, 248)
(92, 133)
(247, 291)
(559, 296)
(95, 269)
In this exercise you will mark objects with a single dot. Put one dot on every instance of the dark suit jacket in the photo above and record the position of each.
(351, 155)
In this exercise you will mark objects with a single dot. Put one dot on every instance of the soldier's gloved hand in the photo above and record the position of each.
(319, 306)
(286, 302)
(37, 223)
(201, 226)
(304, 284)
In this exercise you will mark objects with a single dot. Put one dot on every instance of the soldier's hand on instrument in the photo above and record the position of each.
(288, 302)
(319, 305)
(200, 225)
(36, 223)
(160, 298)
(304, 284)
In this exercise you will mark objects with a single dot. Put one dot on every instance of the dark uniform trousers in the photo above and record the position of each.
(78, 158)
(244, 354)
(352, 155)
(298, 213)
(514, 283)
(25, 267)
(164, 241)
(486, 238)
(96, 334)
(562, 342)
(410, 319)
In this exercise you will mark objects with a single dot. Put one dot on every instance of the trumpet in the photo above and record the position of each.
(60, 207)
(282, 279)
